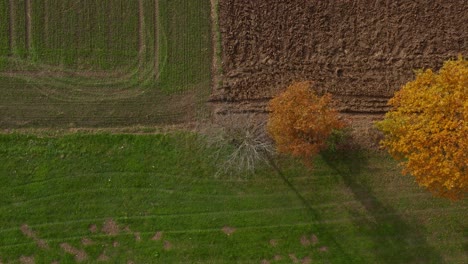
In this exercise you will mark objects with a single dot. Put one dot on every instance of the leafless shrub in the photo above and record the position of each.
(239, 144)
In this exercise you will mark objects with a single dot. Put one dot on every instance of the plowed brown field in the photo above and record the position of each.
(360, 51)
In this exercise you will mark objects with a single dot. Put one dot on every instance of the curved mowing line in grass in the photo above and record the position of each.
(61, 88)
(62, 92)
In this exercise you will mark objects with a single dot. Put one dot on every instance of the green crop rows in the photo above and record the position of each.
(115, 62)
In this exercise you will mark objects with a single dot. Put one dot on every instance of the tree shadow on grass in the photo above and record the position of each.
(395, 240)
(314, 214)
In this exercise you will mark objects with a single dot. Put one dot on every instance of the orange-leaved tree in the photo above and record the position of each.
(427, 129)
(301, 122)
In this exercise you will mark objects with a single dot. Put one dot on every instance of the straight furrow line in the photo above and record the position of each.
(28, 25)
(141, 33)
(11, 26)
(156, 39)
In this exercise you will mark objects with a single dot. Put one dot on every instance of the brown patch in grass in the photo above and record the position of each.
(130, 262)
(86, 241)
(27, 260)
(314, 239)
(55, 262)
(278, 257)
(264, 261)
(293, 258)
(103, 257)
(228, 230)
(127, 229)
(80, 255)
(305, 241)
(168, 245)
(110, 228)
(93, 228)
(323, 249)
(27, 231)
(41, 243)
(273, 242)
(115, 244)
(306, 260)
(157, 236)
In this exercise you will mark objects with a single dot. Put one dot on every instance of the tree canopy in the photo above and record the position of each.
(300, 121)
(427, 129)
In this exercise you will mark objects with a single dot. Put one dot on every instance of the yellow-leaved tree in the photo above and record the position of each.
(301, 122)
(427, 129)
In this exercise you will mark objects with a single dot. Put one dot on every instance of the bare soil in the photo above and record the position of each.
(157, 236)
(80, 255)
(314, 239)
(110, 228)
(103, 257)
(306, 260)
(27, 231)
(93, 228)
(293, 258)
(228, 230)
(360, 52)
(323, 249)
(167, 245)
(273, 242)
(27, 260)
(305, 241)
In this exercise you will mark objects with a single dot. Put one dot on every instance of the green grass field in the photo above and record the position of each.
(154, 199)
(109, 63)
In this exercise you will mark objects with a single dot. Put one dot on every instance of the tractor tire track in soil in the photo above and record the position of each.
(11, 26)
(28, 25)
(141, 33)
(156, 39)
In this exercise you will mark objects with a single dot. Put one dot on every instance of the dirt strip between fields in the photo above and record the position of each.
(216, 63)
